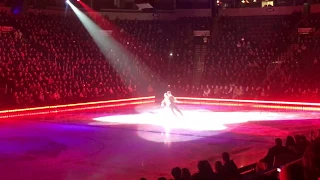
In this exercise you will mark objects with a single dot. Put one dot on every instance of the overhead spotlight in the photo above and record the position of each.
(171, 54)
(243, 1)
(78, 0)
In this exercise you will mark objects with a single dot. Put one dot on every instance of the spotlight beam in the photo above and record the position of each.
(94, 30)
(97, 16)
(107, 43)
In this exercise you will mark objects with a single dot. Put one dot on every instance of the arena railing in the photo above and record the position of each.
(299, 106)
(302, 106)
(273, 172)
(75, 107)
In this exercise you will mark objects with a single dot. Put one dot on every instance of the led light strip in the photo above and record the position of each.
(77, 104)
(250, 101)
(211, 103)
(255, 104)
(74, 109)
(302, 108)
(151, 99)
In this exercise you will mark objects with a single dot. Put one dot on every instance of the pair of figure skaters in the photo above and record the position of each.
(170, 101)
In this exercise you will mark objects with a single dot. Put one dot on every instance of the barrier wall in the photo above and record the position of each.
(266, 11)
(135, 14)
(298, 106)
(172, 15)
(161, 15)
(75, 107)
(193, 13)
(139, 15)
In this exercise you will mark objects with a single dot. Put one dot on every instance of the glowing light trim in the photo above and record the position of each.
(77, 104)
(253, 104)
(302, 108)
(251, 101)
(75, 109)
(210, 103)
(151, 99)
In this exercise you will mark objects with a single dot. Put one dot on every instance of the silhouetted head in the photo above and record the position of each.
(176, 173)
(225, 157)
(218, 167)
(311, 161)
(290, 141)
(143, 179)
(185, 174)
(204, 167)
(278, 142)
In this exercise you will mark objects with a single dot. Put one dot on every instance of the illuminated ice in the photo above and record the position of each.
(194, 124)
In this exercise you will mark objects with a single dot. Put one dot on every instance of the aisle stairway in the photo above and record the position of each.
(200, 52)
(214, 28)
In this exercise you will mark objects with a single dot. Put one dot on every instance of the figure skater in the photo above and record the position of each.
(170, 101)
(165, 101)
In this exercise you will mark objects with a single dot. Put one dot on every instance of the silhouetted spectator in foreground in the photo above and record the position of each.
(205, 171)
(277, 149)
(220, 170)
(309, 169)
(185, 175)
(229, 166)
(176, 173)
(301, 144)
(311, 161)
(291, 145)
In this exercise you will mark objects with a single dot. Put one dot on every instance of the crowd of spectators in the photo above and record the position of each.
(297, 70)
(51, 59)
(282, 156)
(239, 58)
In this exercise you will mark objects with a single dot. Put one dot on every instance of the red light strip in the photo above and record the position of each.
(75, 109)
(255, 104)
(251, 101)
(77, 104)
(211, 103)
(303, 108)
(151, 99)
